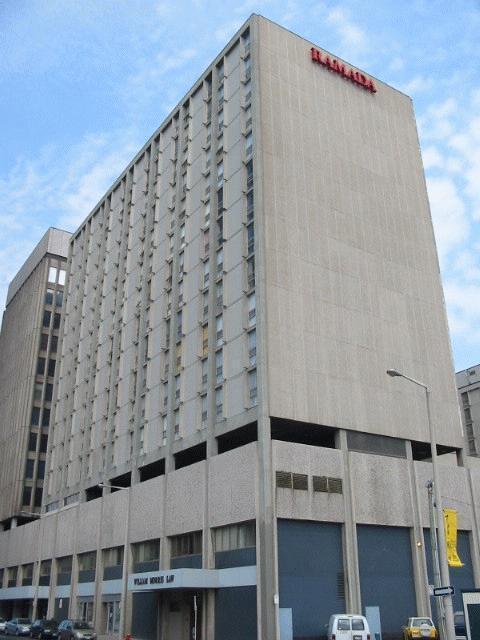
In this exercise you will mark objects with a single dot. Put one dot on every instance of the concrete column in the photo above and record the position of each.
(474, 536)
(420, 575)
(350, 547)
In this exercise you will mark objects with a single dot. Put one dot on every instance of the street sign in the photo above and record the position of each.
(444, 591)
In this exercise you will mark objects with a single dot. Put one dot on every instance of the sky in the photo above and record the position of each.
(84, 83)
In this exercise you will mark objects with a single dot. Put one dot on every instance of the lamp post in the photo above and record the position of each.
(449, 626)
(123, 608)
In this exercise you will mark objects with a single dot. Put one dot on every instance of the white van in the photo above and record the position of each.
(348, 626)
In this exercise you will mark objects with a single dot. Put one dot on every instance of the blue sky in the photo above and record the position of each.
(84, 83)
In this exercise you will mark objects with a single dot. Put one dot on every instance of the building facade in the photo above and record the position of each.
(468, 385)
(29, 343)
(227, 453)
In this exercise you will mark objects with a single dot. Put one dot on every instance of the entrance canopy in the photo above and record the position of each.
(193, 579)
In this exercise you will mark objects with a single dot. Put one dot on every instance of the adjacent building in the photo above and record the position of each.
(226, 453)
(29, 345)
(468, 384)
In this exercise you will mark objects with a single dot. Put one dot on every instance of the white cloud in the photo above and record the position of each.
(227, 30)
(417, 85)
(397, 64)
(432, 158)
(448, 214)
(353, 39)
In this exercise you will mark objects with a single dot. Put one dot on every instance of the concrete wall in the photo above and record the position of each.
(352, 279)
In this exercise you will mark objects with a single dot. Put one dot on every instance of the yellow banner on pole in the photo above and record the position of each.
(450, 516)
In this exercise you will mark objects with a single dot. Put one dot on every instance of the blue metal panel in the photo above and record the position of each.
(461, 577)
(144, 616)
(236, 613)
(310, 563)
(186, 562)
(386, 575)
(237, 558)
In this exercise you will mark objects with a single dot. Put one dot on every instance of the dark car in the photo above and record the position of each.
(44, 629)
(75, 630)
(18, 627)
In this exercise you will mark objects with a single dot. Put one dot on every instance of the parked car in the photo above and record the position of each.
(421, 627)
(44, 629)
(75, 630)
(460, 629)
(2, 625)
(346, 626)
(18, 627)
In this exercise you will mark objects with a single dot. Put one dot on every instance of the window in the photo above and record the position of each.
(252, 310)
(52, 274)
(251, 273)
(179, 325)
(188, 544)
(29, 469)
(248, 145)
(249, 206)
(234, 536)
(177, 387)
(206, 214)
(205, 340)
(250, 239)
(41, 469)
(204, 411)
(61, 276)
(205, 306)
(176, 423)
(221, 95)
(220, 174)
(180, 292)
(204, 372)
(206, 242)
(206, 273)
(48, 392)
(44, 341)
(220, 229)
(51, 367)
(249, 168)
(46, 318)
(178, 356)
(219, 297)
(248, 92)
(37, 392)
(164, 430)
(219, 402)
(56, 321)
(113, 557)
(219, 330)
(41, 366)
(252, 386)
(46, 417)
(252, 348)
(58, 298)
(35, 419)
(54, 344)
(142, 439)
(146, 551)
(37, 502)
(220, 122)
(43, 442)
(219, 262)
(49, 296)
(182, 236)
(32, 441)
(219, 366)
(219, 201)
(181, 264)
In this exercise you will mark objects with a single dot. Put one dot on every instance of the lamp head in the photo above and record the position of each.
(394, 373)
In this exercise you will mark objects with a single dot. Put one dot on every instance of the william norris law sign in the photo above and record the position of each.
(338, 67)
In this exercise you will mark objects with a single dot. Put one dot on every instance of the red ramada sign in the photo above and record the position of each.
(347, 72)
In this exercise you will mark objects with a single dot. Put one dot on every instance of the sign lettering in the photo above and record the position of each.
(338, 67)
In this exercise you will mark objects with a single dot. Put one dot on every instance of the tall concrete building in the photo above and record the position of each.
(29, 343)
(468, 384)
(227, 453)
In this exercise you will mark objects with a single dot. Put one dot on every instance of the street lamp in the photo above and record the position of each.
(123, 608)
(449, 626)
